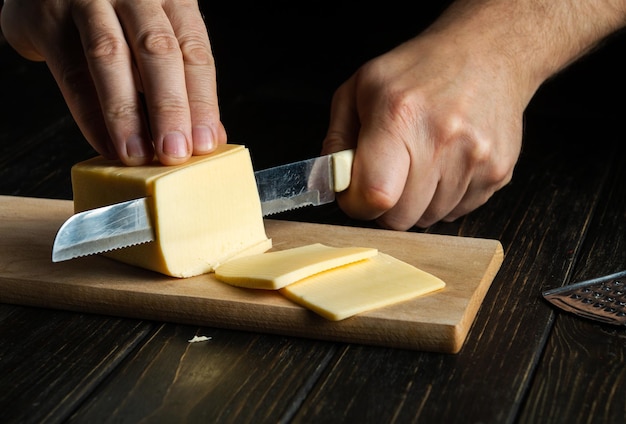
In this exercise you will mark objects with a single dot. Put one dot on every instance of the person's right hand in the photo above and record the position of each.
(437, 130)
(105, 53)
(437, 121)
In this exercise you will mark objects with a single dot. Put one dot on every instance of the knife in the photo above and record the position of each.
(310, 182)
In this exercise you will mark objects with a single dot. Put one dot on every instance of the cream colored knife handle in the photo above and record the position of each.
(342, 169)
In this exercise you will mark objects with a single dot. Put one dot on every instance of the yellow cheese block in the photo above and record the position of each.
(362, 286)
(275, 270)
(204, 212)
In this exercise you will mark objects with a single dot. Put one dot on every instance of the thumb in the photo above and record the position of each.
(380, 166)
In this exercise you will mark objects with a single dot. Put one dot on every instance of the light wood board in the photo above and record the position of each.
(436, 322)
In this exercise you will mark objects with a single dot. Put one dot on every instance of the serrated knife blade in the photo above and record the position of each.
(103, 229)
(310, 182)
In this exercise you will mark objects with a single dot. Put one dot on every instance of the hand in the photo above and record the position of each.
(438, 129)
(107, 54)
(437, 121)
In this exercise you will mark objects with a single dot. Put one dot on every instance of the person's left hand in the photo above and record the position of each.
(104, 53)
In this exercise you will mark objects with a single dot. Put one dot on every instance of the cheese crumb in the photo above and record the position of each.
(197, 339)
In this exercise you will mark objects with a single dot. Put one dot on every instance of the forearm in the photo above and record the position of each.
(537, 38)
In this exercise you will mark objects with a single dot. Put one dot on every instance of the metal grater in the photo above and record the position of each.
(601, 299)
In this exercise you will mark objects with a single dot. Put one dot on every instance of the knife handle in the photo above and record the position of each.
(342, 169)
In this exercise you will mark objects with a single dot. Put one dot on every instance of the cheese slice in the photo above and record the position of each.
(362, 286)
(203, 212)
(275, 270)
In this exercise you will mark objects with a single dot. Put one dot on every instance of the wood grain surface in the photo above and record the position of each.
(436, 322)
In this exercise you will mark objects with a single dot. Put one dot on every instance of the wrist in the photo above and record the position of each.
(530, 41)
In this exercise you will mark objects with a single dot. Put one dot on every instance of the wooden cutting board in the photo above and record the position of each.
(436, 322)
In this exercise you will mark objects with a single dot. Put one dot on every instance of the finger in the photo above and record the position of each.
(381, 161)
(159, 60)
(71, 72)
(479, 191)
(449, 192)
(110, 64)
(363, 199)
(57, 40)
(17, 32)
(54, 38)
(421, 184)
(454, 173)
(440, 184)
(487, 166)
(200, 75)
(472, 200)
(343, 127)
(380, 170)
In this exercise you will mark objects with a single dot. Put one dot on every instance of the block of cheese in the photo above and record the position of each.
(203, 212)
(379, 281)
(275, 270)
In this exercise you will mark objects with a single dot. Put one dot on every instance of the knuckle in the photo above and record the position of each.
(171, 107)
(478, 149)
(336, 140)
(499, 175)
(402, 106)
(121, 111)
(396, 101)
(482, 155)
(105, 46)
(204, 107)
(74, 79)
(196, 50)
(330, 145)
(158, 42)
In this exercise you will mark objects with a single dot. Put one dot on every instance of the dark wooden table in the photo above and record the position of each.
(562, 219)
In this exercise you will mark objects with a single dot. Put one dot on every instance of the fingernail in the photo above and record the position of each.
(175, 145)
(203, 141)
(135, 147)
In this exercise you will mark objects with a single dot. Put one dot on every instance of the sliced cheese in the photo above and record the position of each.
(362, 286)
(204, 212)
(275, 270)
